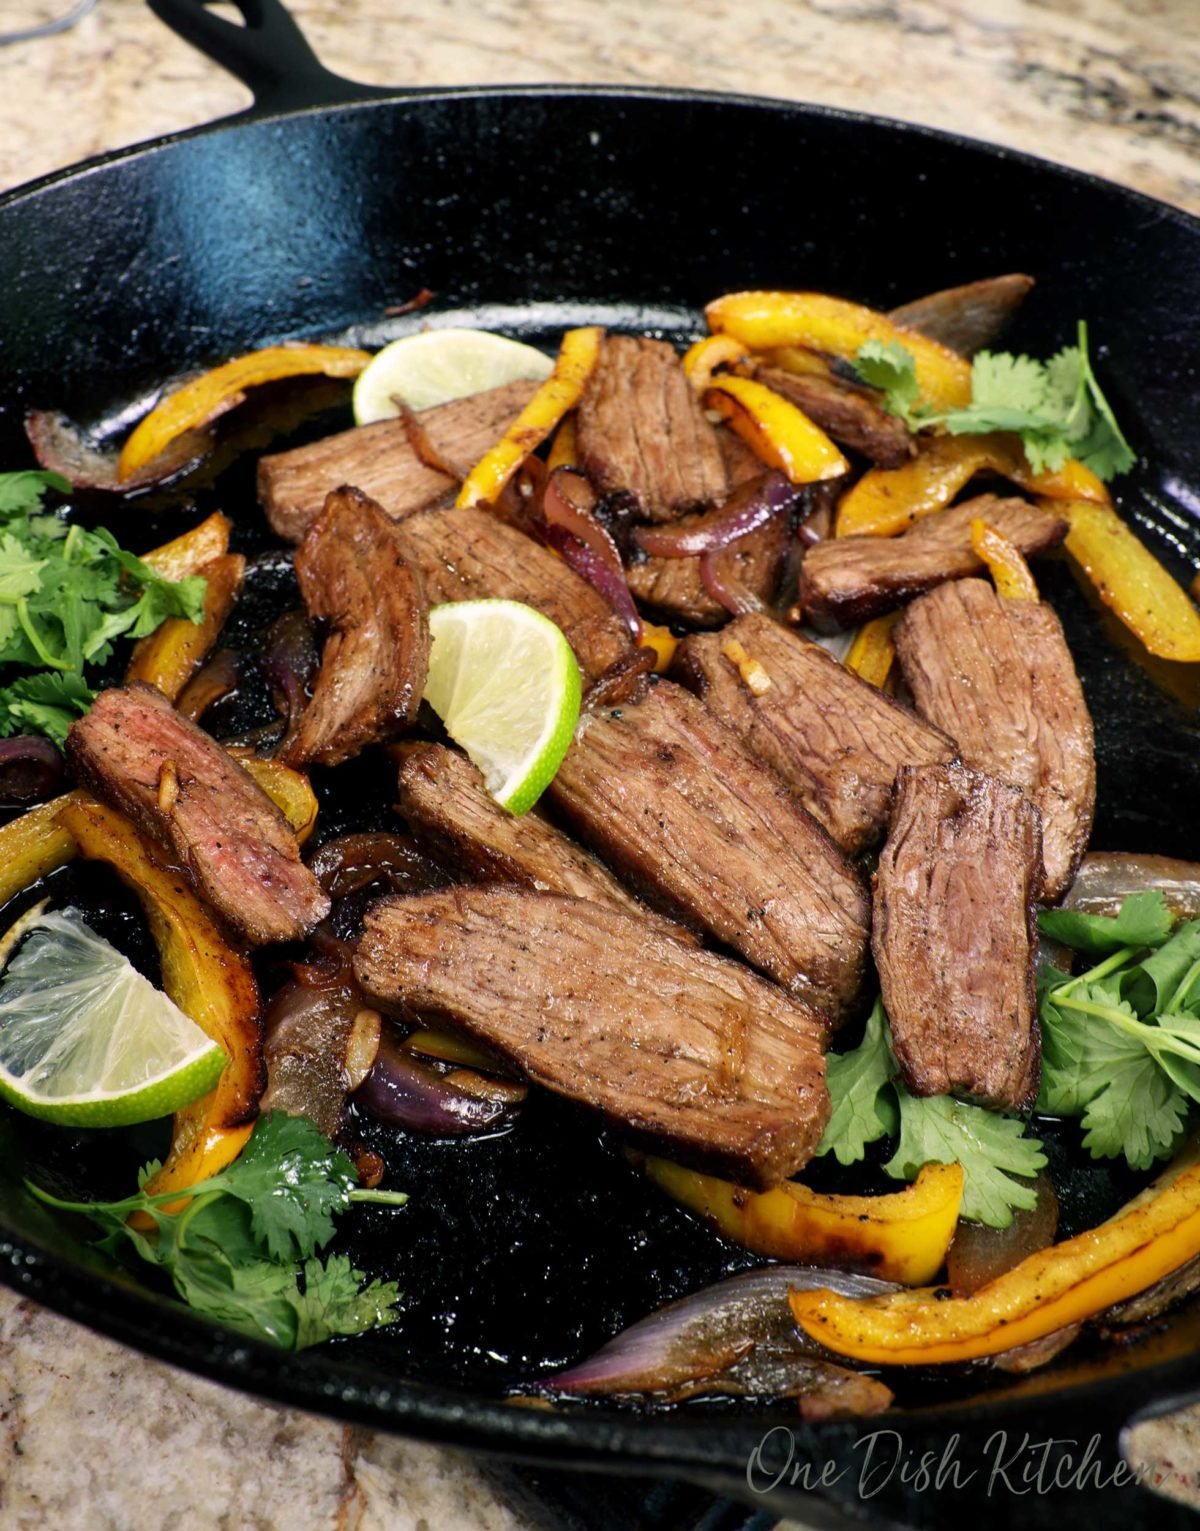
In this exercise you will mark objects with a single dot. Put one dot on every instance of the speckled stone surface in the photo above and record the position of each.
(94, 1436)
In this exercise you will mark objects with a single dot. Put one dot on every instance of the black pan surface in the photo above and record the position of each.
(529, 209)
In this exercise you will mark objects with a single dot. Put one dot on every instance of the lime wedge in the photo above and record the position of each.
(435, 366)
(86, 1041)
(506, 685)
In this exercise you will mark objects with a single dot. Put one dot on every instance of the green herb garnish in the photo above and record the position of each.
(1056, 407)
(243, 1250)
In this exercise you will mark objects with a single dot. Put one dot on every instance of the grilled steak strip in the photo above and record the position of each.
(641, 430)
(853, 418)
(667, 1041)
(837, 741)
(380, 459)
(847, 581)
(450, 811)
(955, 935)
(177, 784)
(671, 589)
(998, 675)
(677, 806)
(353, 575)
(467, 555)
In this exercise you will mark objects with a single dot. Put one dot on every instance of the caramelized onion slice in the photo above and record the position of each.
(402, 1091)
(745, 511)
(574, 531)
(61, 447)
(350, 862)
(30, 770)
(1106, 877)
(979, 1254)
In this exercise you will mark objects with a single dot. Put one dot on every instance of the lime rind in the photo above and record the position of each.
(506, 684)
(436, 366)
(87, 1041)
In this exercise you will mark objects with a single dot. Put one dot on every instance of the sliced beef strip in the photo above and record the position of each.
(641, 431)
(998, 676)
(853, 418)
(668, 1042)
(671, 589)
(468, 555)
(955, 935)
(678, 807)
(966, 318)
(177, 784)
(849, 580)
(837, 741)
(380, 459)
(353, 575)
(448, 808)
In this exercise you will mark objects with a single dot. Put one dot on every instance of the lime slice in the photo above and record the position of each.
(436, 366)
(86, 1041)
(506, 685)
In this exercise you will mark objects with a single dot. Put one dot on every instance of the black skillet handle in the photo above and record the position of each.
(269, 54)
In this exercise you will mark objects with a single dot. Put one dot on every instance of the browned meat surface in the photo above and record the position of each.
(853, 418)
(999, 677)
(849, 580)
(677, 805)
(641, 429)
(955, 935)
(177, 784)
(671, 590)
(467, 555)
(668, 1042)
(354, 576)
(966, 318)
(837, 741)
(450, 811)
(380, 459)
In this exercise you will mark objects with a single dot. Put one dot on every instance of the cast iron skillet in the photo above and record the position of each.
(531, 208)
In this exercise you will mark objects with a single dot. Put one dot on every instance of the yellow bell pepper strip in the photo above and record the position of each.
(798, 360)
(559, 394)
(210, 980)
(1130, 581)
(170, 655)
(872, 653)
(775, 430)
(1011, 575)
(189, 553)
(664, 643)
(290, 791)
(34, 845)
(765, 321)
(205, 397)
(701, 360)
(1152, 1236)
(564, 449)
(886, 501)
(902, 1236)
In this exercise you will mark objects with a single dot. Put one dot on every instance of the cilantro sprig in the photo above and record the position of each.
(1121, 1041)
(243, 1249)
(1056, 407)
(66, 595)
(870, 1102)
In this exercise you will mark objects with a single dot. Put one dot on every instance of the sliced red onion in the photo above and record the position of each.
(403, 1092)
(737, 1337)
(350, 862)
(61, 447)
(307, 1029)
(1106, 877)
(30, 770)
(572, 529)
(748, 508)
(290, 662)
(220, 677)
(724, 586)
(423, 447)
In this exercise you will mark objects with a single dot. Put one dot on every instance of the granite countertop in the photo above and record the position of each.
(92, 1435)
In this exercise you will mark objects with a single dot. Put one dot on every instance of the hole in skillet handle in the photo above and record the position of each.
(269, 53)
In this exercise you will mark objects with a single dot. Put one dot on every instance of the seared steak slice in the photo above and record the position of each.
(998, 675)
(381, 460)
(467, 555)
(851, 579)
(955, 935)
(671, 589)
(853, 418)
(837, 741)
(641, 430)
(450, 811)
(354, 576)
(966, 318)
(667, 1041)
(676, 804)
(177, 784)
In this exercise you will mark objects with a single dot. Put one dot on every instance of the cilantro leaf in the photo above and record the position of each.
(1169, 979)
(891, 368)
(45, 704)
(856, 1080)
(233, 1248)
(22, 493)
(1143, 920)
